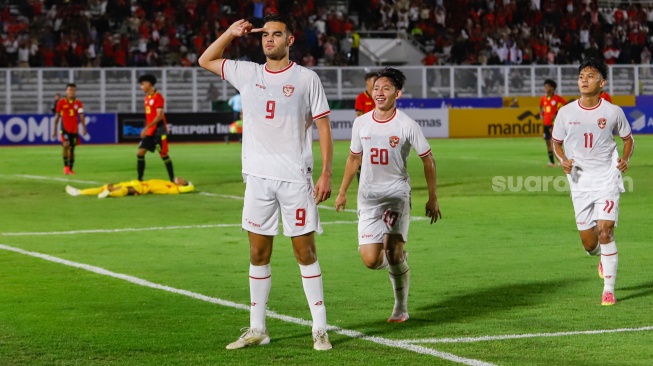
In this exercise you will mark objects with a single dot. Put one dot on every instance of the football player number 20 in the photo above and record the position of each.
(379, 156)
(300, 216)
(269, 107)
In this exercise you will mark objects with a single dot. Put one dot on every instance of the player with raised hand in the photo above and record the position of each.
(281, 102)
(71, 112)
(584, 144)
(380, 143)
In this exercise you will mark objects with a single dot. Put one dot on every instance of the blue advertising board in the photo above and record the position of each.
(36, 129)
(640, 118)
(491, 102)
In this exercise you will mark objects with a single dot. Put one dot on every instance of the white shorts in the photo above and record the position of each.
(265, 198)
(590, 207)
(392, 217)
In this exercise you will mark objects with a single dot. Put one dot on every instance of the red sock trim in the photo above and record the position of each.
(399, 275)
(260, 278)
(609, 255)
(320, 275)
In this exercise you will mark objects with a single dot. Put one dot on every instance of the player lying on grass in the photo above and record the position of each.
(584, 143)
(135, 188)
(380, 144)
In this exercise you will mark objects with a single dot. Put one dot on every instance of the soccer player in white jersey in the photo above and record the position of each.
(380, 144)
(281, 102)
(583, 142)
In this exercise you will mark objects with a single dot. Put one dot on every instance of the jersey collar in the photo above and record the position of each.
(384, 121)
(590, 109)
(280, 71)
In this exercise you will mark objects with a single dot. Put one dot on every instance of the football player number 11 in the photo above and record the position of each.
(589, 140)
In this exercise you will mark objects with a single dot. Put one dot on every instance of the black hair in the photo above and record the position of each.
(71, 85)
(290, 24)
(396, 77)
(598, 65)
(147, 77)
(553, 84)
(371, 74)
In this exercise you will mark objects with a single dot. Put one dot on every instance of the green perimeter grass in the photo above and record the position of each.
(498, 263)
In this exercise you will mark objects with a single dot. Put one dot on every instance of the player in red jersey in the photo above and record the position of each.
(606, 96)
(549, 106)
(365, 103)
(154, 135)
(71, 112)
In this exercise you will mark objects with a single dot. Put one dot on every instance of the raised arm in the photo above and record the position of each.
(432, 205)
(323, 186)
(211, 59)
(351, 167)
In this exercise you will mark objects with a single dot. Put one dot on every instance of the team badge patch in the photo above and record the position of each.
(151, 101)
(602, 122)
(288, 90)
(394, 141)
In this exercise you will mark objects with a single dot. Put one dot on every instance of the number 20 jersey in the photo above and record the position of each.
(385, 145)
(587, 135)
(279, 108)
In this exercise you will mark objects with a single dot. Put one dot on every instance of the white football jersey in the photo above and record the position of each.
(587, 135)
(279, 108)
(385, 146)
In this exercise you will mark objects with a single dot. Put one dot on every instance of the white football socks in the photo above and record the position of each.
(595, 251)
(400, 279)
(312, 281)
(609, 261)
(383, 264)
(260, 282)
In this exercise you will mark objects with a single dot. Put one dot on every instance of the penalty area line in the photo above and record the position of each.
(521, 336)
(231, 304)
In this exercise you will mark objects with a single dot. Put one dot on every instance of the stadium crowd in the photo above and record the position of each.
(118, 33)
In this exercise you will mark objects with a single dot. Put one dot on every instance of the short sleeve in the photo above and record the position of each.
(356, 148)
(318, 100)
(417, 140)
(237, 72)
(542, 102)
(80, 107)
(358, 106)
(559, 128)
(158, 101)
(623, 127)
(59, 106)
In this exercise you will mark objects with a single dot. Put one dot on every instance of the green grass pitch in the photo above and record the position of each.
(505, 263)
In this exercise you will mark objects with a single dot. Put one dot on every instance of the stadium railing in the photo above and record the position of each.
(25, 90)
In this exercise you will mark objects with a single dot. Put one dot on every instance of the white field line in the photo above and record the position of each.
(520, 336)
(134, 229)
(56, 179)
(271, 314)
(324, 207)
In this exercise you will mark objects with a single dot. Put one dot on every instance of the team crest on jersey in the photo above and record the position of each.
(151, 101)
(394, 141)
(602, 122)
(288, 90)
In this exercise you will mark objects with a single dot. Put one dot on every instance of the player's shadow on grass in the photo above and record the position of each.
(479, 304)
(633, 292)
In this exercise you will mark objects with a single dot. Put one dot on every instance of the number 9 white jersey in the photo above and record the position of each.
(587, 135)
(385, 146)
(279, 108)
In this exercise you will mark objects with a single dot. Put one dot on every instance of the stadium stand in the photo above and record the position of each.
(150, 33)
